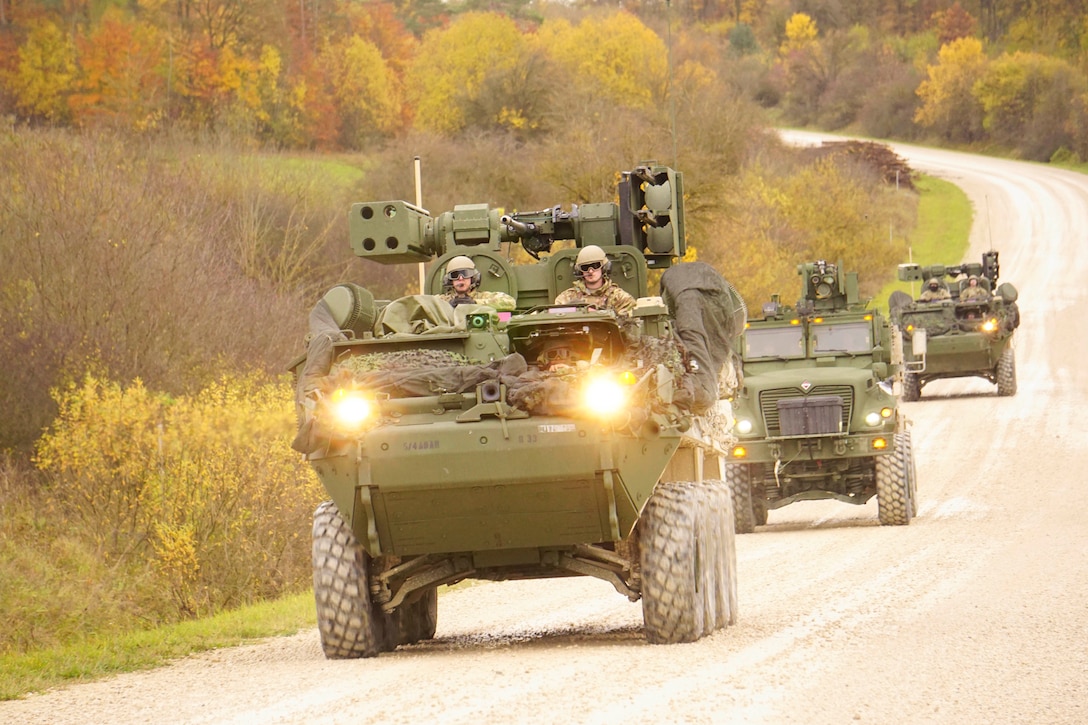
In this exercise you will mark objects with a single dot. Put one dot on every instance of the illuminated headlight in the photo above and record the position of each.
(350, 409)
(989, 325)
(744, 426)
(877, 417)
(605, 397)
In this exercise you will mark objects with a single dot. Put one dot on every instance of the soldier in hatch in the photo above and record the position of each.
(593, 285)
(973, 290)
(461, 282)
(934, 292)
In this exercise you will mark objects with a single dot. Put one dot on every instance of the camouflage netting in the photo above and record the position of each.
(709, 316)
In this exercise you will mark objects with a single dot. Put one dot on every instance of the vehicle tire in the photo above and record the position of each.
(1006, 373)
(419, 620)
(349, 624)
(912, 473)
(721, 597)
(893, 486)
(759, 510)
(672, 558)
(912, 387)
(738, 477)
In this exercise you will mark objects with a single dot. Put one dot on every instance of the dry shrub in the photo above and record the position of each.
(199, 498)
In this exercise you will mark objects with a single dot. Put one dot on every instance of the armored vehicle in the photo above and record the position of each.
(551, 441)
(816, 416)
(965, 329)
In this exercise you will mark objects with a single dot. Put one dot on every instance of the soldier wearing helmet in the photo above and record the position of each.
(460, 285)
(934, 291)
(973, 290)
(592, 285)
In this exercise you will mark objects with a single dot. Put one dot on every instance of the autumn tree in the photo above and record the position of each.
(363, 88)
(120, 79)
(614, 55)
(949, 107)
(953, 24)
(1027, 99)
(449, 70)
(43, 74)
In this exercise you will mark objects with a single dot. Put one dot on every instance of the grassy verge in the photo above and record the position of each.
(944, 225)
(103, 656)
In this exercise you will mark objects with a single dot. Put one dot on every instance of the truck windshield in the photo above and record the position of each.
(774, 342)
(842, 337)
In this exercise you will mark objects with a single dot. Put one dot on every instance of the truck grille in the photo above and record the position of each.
(826, 416)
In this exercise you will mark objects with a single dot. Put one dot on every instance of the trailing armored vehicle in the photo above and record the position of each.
(963, 328)
(471, 443)
(816, 415)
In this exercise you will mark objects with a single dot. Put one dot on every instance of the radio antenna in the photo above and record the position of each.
(672, 91)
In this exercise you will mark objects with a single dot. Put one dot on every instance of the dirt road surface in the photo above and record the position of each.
(975, 613)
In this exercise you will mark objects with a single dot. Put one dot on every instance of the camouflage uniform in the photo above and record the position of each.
(501, 301)
(973, 293)
(608, 297)
(928, 295)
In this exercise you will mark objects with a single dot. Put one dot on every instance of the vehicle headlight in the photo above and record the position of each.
(606, 396)
(744, 426)
(350, 409)
(989, 325)
(872, 418)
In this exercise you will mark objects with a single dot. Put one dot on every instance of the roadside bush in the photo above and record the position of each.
(197, 501)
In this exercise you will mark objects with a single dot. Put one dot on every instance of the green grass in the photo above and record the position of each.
(941, 236)
(103, 656)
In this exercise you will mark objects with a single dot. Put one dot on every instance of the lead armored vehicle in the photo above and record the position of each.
(816, 416)
(958, 332)
(467, 443)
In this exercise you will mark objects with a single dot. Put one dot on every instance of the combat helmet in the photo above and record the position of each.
(588, 255)
(461, 263)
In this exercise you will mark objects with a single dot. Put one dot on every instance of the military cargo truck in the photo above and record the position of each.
(553, 441)
(816, 416)
(960, 332)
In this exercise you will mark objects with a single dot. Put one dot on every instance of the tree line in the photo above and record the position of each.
(345, 74)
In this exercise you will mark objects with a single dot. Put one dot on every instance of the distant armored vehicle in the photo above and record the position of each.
(816, 416)
(471, 443)
(965, 329)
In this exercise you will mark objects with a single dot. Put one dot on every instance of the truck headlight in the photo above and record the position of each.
(605, 396)
(744, 426)
(350, 409)
(872, 418)
(989, 325)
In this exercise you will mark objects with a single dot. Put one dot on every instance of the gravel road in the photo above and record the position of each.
(975, 613)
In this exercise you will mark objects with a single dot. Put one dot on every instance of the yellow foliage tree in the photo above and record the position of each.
(948, 105)
(801, 33)
(364, 88)
(614, 55)
(43, 73)
(452, 63)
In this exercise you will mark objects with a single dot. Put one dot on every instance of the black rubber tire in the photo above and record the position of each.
(419, 620)
(912, 473)
(720, 592)
(671, 542)
(350, 626)
(912, 388)
(893, 486)
(738, 477)
(1006, 373)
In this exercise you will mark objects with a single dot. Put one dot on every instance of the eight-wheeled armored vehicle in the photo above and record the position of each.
(470, 443)
(817, 415)
(960, 333)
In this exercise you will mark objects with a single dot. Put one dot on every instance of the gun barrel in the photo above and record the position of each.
(522, 229)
